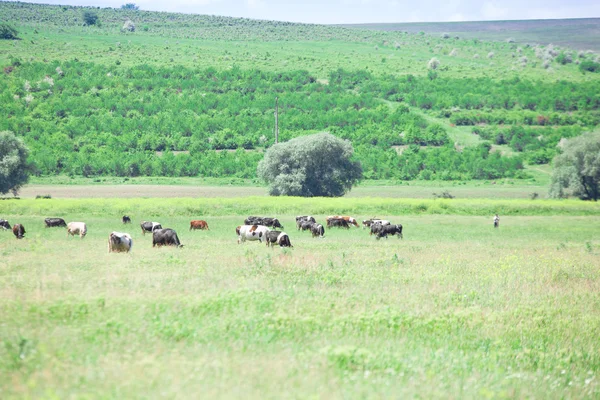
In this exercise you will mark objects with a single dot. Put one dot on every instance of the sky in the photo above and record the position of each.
(364, 11)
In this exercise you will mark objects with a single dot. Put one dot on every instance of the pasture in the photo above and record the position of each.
(455, 309)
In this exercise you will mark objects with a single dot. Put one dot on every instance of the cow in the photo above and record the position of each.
(385, 230)
(349, 220)
(251, 232)
(119, 242)
(199, 224)
(18, 231)
(337, 223)
(126, 219)
(54, 222)
(317, 230)
(377, 224)
(4, 224)
(76, 228)
(150, 226)
(278, 237)
(165, 237)
(307, 225)
(265, 221)
(368, 222)
(303, 218)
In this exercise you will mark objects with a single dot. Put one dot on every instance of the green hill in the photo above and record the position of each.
(577, 33)
(189, 95)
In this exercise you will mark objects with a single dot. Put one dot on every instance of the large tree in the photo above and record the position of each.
(313, 165)
(14, 170)
(577, 168)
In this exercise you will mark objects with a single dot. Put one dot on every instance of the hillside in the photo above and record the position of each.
(577, 33)
(189, 95)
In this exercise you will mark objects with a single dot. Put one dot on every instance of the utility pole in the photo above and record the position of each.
(276, 120)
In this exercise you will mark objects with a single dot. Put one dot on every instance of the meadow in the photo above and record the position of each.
(457, 309)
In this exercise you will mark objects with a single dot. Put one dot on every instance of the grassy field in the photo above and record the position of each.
(578, 33)
(456, 309)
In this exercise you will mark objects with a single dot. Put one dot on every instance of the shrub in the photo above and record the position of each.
(128, 26)
(14, 169)
(445, 36)
(589, 66)
(90, 18)
(130, 6)
(453, 53)
(434, 63)
(490, 55)
(8, 32)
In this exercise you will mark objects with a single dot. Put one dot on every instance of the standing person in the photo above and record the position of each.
(496, 221)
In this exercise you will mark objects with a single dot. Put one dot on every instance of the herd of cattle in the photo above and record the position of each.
(254, 229)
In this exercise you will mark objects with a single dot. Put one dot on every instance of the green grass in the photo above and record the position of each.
(456, 309)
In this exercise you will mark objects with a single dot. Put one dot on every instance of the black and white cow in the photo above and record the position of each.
(126, 219)
(150, 226)
(264, 221)
(307, 225)
(165, 237)
(303, 218)
(4, 224)
(54, 222)
(278, 237)
(317, 230)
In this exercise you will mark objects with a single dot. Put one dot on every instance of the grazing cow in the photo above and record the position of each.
(126, 219)
(337, 223)
(496, 221)
(53, 222)
(265, 221)
(150, 226)
(385, 230)
(303, 218)
(368, 222)
(76, 228)
(165, 237)
(307, 225)
(18, 231)
(278, 237)
(119, 242)
(199, 224)
(317, 230)
(4, 224)
(251, 232)
(349, 220)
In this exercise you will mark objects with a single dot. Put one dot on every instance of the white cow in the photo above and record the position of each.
(119, 242)
(76, 228)
(251, 232)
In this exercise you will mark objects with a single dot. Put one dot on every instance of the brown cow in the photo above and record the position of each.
(346, 218)
(18, 231)
(199, 224)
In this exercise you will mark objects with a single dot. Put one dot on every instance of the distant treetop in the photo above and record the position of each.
(130, 6)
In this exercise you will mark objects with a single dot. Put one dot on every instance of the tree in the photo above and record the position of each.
(8, 32)
(14, 170)
(130, 6)
(577, 168)
(313, 165)
(90, 18)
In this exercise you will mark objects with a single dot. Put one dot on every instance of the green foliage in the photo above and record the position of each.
(130, 6)
(589, 66)
(14, 170)
(90, 18)
(577, 168)
(308, 166)
(8, 32)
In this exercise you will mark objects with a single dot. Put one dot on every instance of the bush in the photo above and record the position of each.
(434, 63)
(90, 18)
(130, 6)
(589, 66)
(314, 165)
(128, 26)
(8, 32)
(14, 169)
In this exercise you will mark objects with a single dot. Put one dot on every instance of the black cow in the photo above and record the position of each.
(278, 237)
(264, 221)
(337, 223)
(165, 237)
(54, 222)
(317, 230)
(385, 230)
(4, 224)
(303, 218)
(150, 226)
(307, 225)
(126, 219)
(18, 231)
